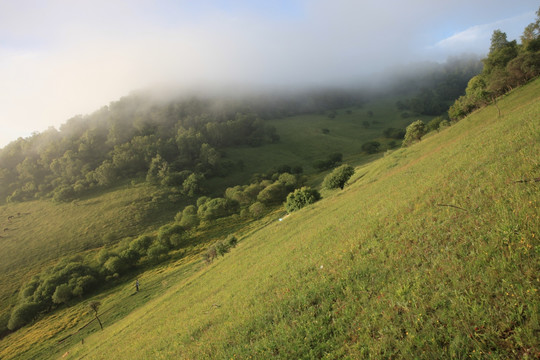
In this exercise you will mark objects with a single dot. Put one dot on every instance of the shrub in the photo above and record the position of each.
(157, 252)
(231, 241)
(300, 198)
(238, 194)
(64, 193)
(193, 185)
(414, 132)
(62, 294)
(166, 232)
(210, 255)
(444, 124)
(217, 208)
(103, 255)
(290, 181)
(188, 218)
(115, 265)
(29, 288)
(202, 200)
(434, 123)
(83, 285)
(272, 194)
(141, 244)
(130, 257)
(252, 190)
(257, 209)
(22, 314)
(222, 248)
(339, 177)
(175, 178)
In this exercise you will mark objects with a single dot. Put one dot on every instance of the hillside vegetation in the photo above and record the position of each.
(430, 252)
(74, 239)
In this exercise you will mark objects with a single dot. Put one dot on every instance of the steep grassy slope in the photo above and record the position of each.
(37, 233)
(431, 252)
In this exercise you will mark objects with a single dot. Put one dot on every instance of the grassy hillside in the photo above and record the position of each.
(431, 252)
(39, 232)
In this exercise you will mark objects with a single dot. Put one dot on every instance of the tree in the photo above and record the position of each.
(188, 217)
(434, 123)
(115, 265)
(339, 177)
(83, 284)
(301, 198)
(532, 31)
(193, 185)
(217, 208)
(94, 305)
(414, 132)
(141, 244)
(158, 170)
(498, 40)
(22, 314)
(531, 35)
(273, 194)
(62, 294)
(257, 209)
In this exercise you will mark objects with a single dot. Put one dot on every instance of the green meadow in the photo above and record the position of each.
(430, 252)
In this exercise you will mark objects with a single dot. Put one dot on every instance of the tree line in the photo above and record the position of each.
(139, 136)
(508, 65)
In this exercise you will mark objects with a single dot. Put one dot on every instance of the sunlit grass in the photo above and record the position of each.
(431, 252)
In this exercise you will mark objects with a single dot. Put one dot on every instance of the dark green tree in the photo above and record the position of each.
(414, 132)
(300, 198)
(62, 294)
(22, 314)
(192, 186)
(338, 177)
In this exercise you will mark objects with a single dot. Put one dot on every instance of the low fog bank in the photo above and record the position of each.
(300, 97)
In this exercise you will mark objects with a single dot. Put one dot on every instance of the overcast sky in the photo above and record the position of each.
(59, 58)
